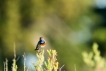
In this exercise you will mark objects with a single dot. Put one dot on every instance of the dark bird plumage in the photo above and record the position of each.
(41, 43)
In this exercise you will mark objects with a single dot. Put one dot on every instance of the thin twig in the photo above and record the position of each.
(6, 64)
(75, 67)
(18, 58)
(24, 56)
(61, 68)
(14, 51)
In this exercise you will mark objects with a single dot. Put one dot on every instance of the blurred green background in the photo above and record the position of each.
(68, 26)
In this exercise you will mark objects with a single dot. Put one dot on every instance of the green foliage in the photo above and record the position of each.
(6, 65)
(14, 66)
(94, 60)
(50, 65)
(40, 61)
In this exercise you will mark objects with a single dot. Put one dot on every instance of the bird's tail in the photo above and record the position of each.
(37, 48)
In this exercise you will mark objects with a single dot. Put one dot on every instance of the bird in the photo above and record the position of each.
(41, 43)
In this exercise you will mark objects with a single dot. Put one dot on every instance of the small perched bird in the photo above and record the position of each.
(41, 43)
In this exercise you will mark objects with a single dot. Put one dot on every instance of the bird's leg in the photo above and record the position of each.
(40, 50)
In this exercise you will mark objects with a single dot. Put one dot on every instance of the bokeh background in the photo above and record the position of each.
(68, 26)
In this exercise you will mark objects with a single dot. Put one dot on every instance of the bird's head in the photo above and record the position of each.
(41, 38)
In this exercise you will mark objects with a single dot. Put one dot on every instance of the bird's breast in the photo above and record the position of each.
(42, 45)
